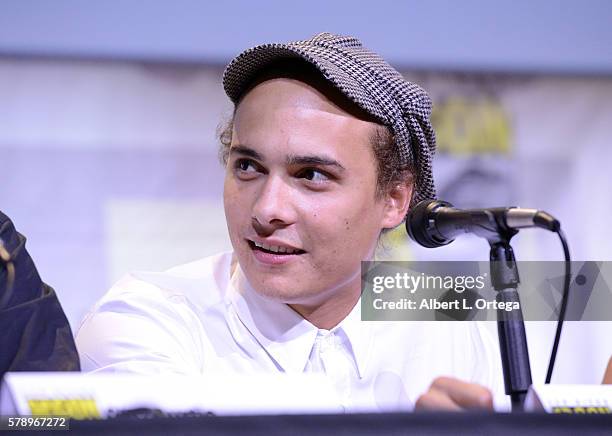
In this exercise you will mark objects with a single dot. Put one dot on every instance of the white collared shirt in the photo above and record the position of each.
(199, 318)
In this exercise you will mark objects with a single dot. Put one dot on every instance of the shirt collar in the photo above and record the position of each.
(281, 331)
(359, 336)
(285, 335)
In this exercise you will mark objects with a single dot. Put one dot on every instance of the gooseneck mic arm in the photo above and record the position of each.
(434, 223)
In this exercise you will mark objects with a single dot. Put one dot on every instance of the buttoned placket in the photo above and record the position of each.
(330, 356)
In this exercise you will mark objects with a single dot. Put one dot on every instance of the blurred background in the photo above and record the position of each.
(108, 114)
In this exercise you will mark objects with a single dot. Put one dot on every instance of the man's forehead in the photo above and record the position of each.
(282, 126)
(300, 119)
(290, 93)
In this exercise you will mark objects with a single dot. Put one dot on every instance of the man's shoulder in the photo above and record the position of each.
(201, 283)
(216, 266)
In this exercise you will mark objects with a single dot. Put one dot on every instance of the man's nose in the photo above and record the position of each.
(273, 207)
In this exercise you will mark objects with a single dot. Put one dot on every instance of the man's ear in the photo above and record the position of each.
(397, 202)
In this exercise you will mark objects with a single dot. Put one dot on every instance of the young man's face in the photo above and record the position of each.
(300, 194)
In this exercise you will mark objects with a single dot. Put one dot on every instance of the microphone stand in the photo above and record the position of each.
(510, 324)
(431, 226)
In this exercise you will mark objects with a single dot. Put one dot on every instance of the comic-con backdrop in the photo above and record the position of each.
(109, 167)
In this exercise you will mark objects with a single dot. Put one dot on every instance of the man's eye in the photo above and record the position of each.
(313, 175)
(245, 165)
(247, 169)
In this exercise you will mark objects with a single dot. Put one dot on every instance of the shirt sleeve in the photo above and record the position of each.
(140, 329)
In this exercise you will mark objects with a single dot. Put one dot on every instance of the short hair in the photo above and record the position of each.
(389, 168)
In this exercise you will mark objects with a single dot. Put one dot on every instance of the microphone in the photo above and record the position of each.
(434, 223)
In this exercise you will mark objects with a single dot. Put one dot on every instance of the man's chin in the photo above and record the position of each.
(281, 290)
(278, 290)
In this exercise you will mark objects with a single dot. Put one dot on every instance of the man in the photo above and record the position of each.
(35, 334)
(327, 149)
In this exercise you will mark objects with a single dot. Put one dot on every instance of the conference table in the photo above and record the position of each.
(498, 424)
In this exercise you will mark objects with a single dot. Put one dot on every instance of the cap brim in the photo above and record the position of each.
(240, 73)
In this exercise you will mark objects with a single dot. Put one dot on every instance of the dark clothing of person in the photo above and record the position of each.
(34, 331)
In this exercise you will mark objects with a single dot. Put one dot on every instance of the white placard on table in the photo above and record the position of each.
(573, 399)
(83, 396)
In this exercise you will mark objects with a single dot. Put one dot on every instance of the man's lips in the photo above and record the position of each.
(274, 255)
(274, 247)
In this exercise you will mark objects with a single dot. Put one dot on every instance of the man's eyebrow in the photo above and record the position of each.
(291, 159)
(246, 151)
(313, 160)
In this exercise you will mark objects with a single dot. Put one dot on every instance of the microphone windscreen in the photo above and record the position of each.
(419, 225)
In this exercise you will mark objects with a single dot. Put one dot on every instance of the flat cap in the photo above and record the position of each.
(367, 80)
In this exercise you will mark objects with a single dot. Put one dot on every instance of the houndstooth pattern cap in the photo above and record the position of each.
(366, 79)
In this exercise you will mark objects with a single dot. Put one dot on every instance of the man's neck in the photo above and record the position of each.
(329, 314)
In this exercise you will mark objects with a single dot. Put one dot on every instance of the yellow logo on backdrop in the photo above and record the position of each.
(77, 408)
(471, 126)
